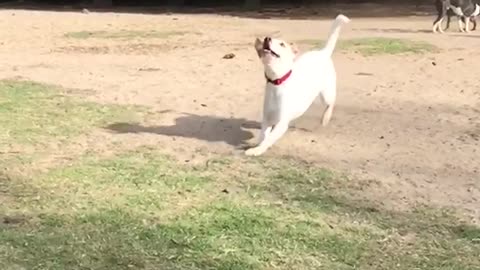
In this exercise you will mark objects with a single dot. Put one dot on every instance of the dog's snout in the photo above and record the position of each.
(267, 39)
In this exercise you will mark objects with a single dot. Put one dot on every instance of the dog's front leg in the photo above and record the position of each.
(264, 132)
(467, 25)
(276, 133)
(442, 9)
(448, 22)
(437, 25)
(460, 24)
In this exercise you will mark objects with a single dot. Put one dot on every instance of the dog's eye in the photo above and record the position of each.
(282, 44)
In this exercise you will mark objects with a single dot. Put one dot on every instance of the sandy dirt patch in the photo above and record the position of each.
(409, 123)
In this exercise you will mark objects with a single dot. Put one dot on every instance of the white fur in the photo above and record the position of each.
(460, 24)
(477, 10)
(467, 25)
(457, 10)
(438, 26)
(313, 74)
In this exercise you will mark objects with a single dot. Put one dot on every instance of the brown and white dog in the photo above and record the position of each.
(465, 10)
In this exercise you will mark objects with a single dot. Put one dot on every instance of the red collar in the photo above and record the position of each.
(279, 80)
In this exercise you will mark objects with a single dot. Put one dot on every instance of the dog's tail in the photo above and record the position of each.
(335, 32)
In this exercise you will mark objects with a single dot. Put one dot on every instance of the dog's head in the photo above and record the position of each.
(276, 55)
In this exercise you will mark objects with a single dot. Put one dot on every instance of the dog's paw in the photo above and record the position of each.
(255, 151)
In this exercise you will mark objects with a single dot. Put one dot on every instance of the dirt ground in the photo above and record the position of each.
(407, 128)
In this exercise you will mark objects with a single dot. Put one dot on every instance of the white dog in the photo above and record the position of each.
(293, 83)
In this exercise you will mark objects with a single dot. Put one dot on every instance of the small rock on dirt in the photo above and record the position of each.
(229, 56)
(148, 69)
(364, 74)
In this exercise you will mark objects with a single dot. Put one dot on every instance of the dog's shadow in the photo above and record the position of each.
(207, 128)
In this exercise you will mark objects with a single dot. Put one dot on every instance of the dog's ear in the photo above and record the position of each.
(294, 48)
(258, 47)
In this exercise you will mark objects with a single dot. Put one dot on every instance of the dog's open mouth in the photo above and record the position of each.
(267, 49)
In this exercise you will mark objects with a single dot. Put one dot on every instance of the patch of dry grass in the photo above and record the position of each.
(124, 34)
(372, 46)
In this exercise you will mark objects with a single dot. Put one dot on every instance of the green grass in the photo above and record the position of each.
(124, 34)
(141, 179)
(35, 117)
(140, 209)
(34, 113)
(380, 46)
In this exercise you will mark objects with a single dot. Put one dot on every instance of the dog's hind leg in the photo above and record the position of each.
(329, 98)
(327, 114)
